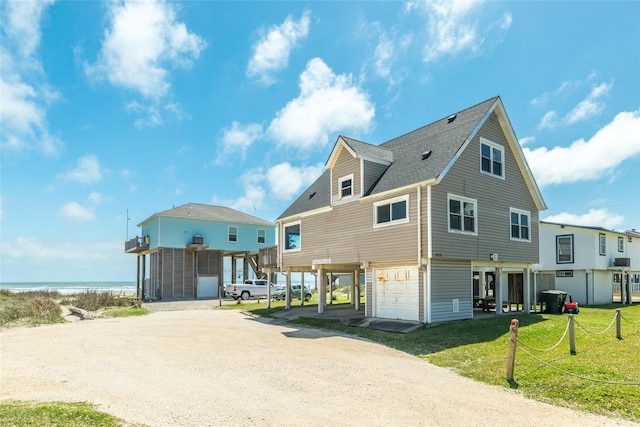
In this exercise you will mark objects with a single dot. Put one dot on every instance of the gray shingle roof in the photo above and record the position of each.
(364, 149)
(443, 138)
(211, 213)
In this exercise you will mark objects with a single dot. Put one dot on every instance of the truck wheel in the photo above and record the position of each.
(245, 295)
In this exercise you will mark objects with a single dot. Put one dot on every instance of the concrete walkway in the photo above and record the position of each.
(347, 314)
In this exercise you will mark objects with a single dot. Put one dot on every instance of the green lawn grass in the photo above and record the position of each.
(50, 414)
(602, 378)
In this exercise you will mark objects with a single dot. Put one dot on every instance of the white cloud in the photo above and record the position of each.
(95, 198)
(75, 211)
(593, 218)
(527, 140)
(254, 194)
(282, 182)
(24, 93)
(327, 103)
(588, 160)
(237, 139)
(549, 120)
(143, 42)
(590, 106)
(286, 181)
(87, 170)
(271, 52)
(22, 24)
(450, 27)
(587, 108)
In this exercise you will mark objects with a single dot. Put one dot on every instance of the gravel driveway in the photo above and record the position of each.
(224, 368)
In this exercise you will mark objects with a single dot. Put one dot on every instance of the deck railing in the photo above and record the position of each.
(137, 244)
(268, 257)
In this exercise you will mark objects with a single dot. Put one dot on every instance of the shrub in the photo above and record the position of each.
(93, 300)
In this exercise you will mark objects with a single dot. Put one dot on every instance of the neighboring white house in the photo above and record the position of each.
(590, 263)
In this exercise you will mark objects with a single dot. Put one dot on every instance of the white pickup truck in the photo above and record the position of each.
(248, 289)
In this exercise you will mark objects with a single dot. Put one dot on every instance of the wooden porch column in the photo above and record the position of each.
(526, 292)
(302, 288)
(330, 288)
(233, 269)
(144, 274)
(138, 293)
(356, 283)
(288, 290)
(245, 267)
(352, 289)
(322, 290)
(498, 291)
(268, 287)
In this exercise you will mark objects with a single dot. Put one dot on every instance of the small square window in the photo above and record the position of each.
(346, 186)
(519, 225)
(233, 234)
(491, 158)
(564, 249)
(262, 236)
(462, 214)
(292, 239)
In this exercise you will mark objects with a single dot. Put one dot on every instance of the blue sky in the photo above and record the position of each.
(141, 106)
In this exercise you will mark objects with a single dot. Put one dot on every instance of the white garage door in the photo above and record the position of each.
(207, 286)
(397, 293)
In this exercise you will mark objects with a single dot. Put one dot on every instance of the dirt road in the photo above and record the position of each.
(223, 368)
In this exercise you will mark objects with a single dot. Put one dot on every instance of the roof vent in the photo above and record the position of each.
(312, 194)
(451, 118)
(426, 155)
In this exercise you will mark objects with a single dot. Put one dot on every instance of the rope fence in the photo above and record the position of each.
(570, 331)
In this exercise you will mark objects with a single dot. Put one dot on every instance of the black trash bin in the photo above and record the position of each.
(553, 301)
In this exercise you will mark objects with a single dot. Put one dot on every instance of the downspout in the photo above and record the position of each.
(427, 273)
(419, 214)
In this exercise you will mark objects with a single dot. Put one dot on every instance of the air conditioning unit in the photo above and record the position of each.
(198, 240)
(622, 262)
(564, 273)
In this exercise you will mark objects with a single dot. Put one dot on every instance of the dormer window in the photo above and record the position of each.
(346, 186)
(491, 158)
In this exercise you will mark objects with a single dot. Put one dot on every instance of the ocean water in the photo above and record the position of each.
(67, 288)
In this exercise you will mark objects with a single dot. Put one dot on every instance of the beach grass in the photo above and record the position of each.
(29, 308)
(76, 414)
(33, 308)
(95, 300)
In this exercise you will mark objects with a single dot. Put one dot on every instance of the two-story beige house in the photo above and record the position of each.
(437, 219)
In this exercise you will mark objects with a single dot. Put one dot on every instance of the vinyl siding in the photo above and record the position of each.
(371, 172)
(451, 280)
(346, 235)
(494, 197)
(345, 165)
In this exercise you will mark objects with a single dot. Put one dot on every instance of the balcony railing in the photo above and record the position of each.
(268, 257)
(135, 245)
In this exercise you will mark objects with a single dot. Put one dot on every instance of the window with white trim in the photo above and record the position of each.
(602, 244)
(520, 225)
(620, 244)
(462, 213)
(392, 211)
(292, 237)
(346, 186)
(262, 236)
(564, 249)
(233, 234)
(491, 158)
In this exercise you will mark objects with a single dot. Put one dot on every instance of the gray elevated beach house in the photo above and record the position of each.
(440, 220)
